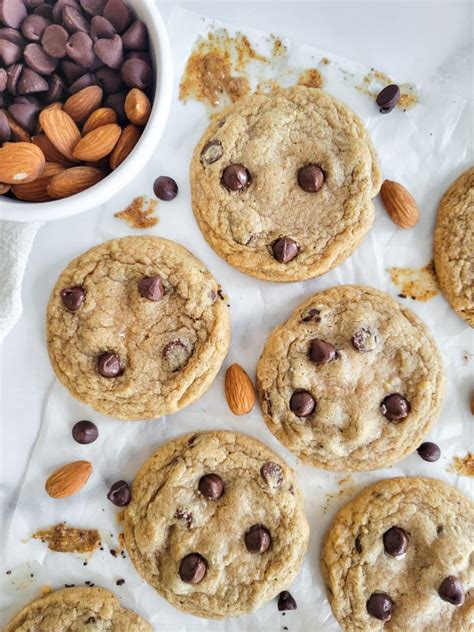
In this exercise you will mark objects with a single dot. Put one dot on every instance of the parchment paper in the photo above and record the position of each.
(425, 148)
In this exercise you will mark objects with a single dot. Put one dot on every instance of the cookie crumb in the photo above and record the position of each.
(463, 465)
(140, 213)
(311, 78)
(418, 283)
(120, 582)
(65, 539)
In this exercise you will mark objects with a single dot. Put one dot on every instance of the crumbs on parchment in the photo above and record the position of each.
(140, 213)
(64, 539)
(417, 283)
(463, 465)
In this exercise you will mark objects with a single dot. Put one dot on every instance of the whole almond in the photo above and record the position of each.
(37, 190)
(49, 150)
(127, 141)
(137, 107)
(68, 479)
(60, 130)
(102, 116)
(399, 204)
(57, 105)
(20, 162)
(17, 131)
(73, 180)
(98, 143)
(4, 188)
(80, 105)
(239, 390)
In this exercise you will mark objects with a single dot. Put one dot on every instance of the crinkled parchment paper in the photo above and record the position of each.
(424, 148)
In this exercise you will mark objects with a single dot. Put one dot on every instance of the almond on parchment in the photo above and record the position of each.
(399, 204)
(37, 190)
(102, 116)
(137, 107)
(60, 130)
(68, 479)
(98, 143)
(73, 180)
(127, 141)
(239, 390)
(20, 162)
(49, 150)
(81, 104)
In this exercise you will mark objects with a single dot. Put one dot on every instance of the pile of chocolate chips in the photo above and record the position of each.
(50, 50)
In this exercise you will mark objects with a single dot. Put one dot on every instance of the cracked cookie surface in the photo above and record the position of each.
(268, 139)
(358, 559)
(77, 610)
(181, 512)
(454, 246)
(136, 328)
(351, 381)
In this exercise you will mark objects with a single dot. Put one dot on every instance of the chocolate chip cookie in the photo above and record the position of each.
(454, 246)
(400, 557)
(351, 381)
(216, 524)
(136, 328)
(81, 609)
(282, 183)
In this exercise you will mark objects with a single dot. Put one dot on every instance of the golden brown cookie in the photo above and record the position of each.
(136, 328)
(399, 558)
(282, 183)
(77, 610)
(216, 524)
(454, 246)
(351, 381)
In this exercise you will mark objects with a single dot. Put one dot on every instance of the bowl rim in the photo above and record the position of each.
(101, 192)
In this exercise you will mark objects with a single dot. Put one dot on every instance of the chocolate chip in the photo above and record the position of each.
(12, 35)
(395, 541)
(257, 539)
(235, 178)
(136, 73)
(394, 407)
(73, 20)
(120, 494)
(151, 288)
(302, 403)
(429, 451)
(71, 71)
(452, 590)
(101, 28)
(85, 432)
(272, 474)
(116, 101)
(56, 89)
(211, 486)
(34, 26)
(365, 339)
(284, 249)
(165, 188)
(211, 152)
(388, 98)
(120, 582)
(286, 601)
(136, 36)
(322, 352)
(38, 60)
(83, 82)
(59, 7)
(45, 10)
(72, 298)
(80, 49)
(312, 316)
(380, 606)
(175, 354)
(109, 80)
(118, 14)
(12, 13)
(30, 82)
(25, 114)
(10, 53)
(311, 178)
(108, 365)
(110, 51)
(4, 128)
(93, 7)
(13, 76)
(193, 568)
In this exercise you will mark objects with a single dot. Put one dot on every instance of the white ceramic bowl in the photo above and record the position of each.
(160, 51)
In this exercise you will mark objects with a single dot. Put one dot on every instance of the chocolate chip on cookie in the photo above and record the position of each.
(285, 249)
(120, 493)
(322, 352)
(235, 178)
(175, 354)
(313, 315)
(302, 403)
(258, 539)
(185, 515)
(211, 152)
(286, 601)
(394, 407)
(108, 365)
(272, 474)
(151, 288)
(365, 339)
(211, 486)
(311, 178)
(395, 541)
(452, 590)
(193, 568)
(380, 606)
(73, 298)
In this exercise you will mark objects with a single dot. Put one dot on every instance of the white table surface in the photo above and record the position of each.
(424, 42)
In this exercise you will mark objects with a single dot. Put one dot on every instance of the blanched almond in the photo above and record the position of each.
(98, 143)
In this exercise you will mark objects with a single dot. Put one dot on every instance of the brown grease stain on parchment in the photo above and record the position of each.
(417, 283)
(140, 213)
